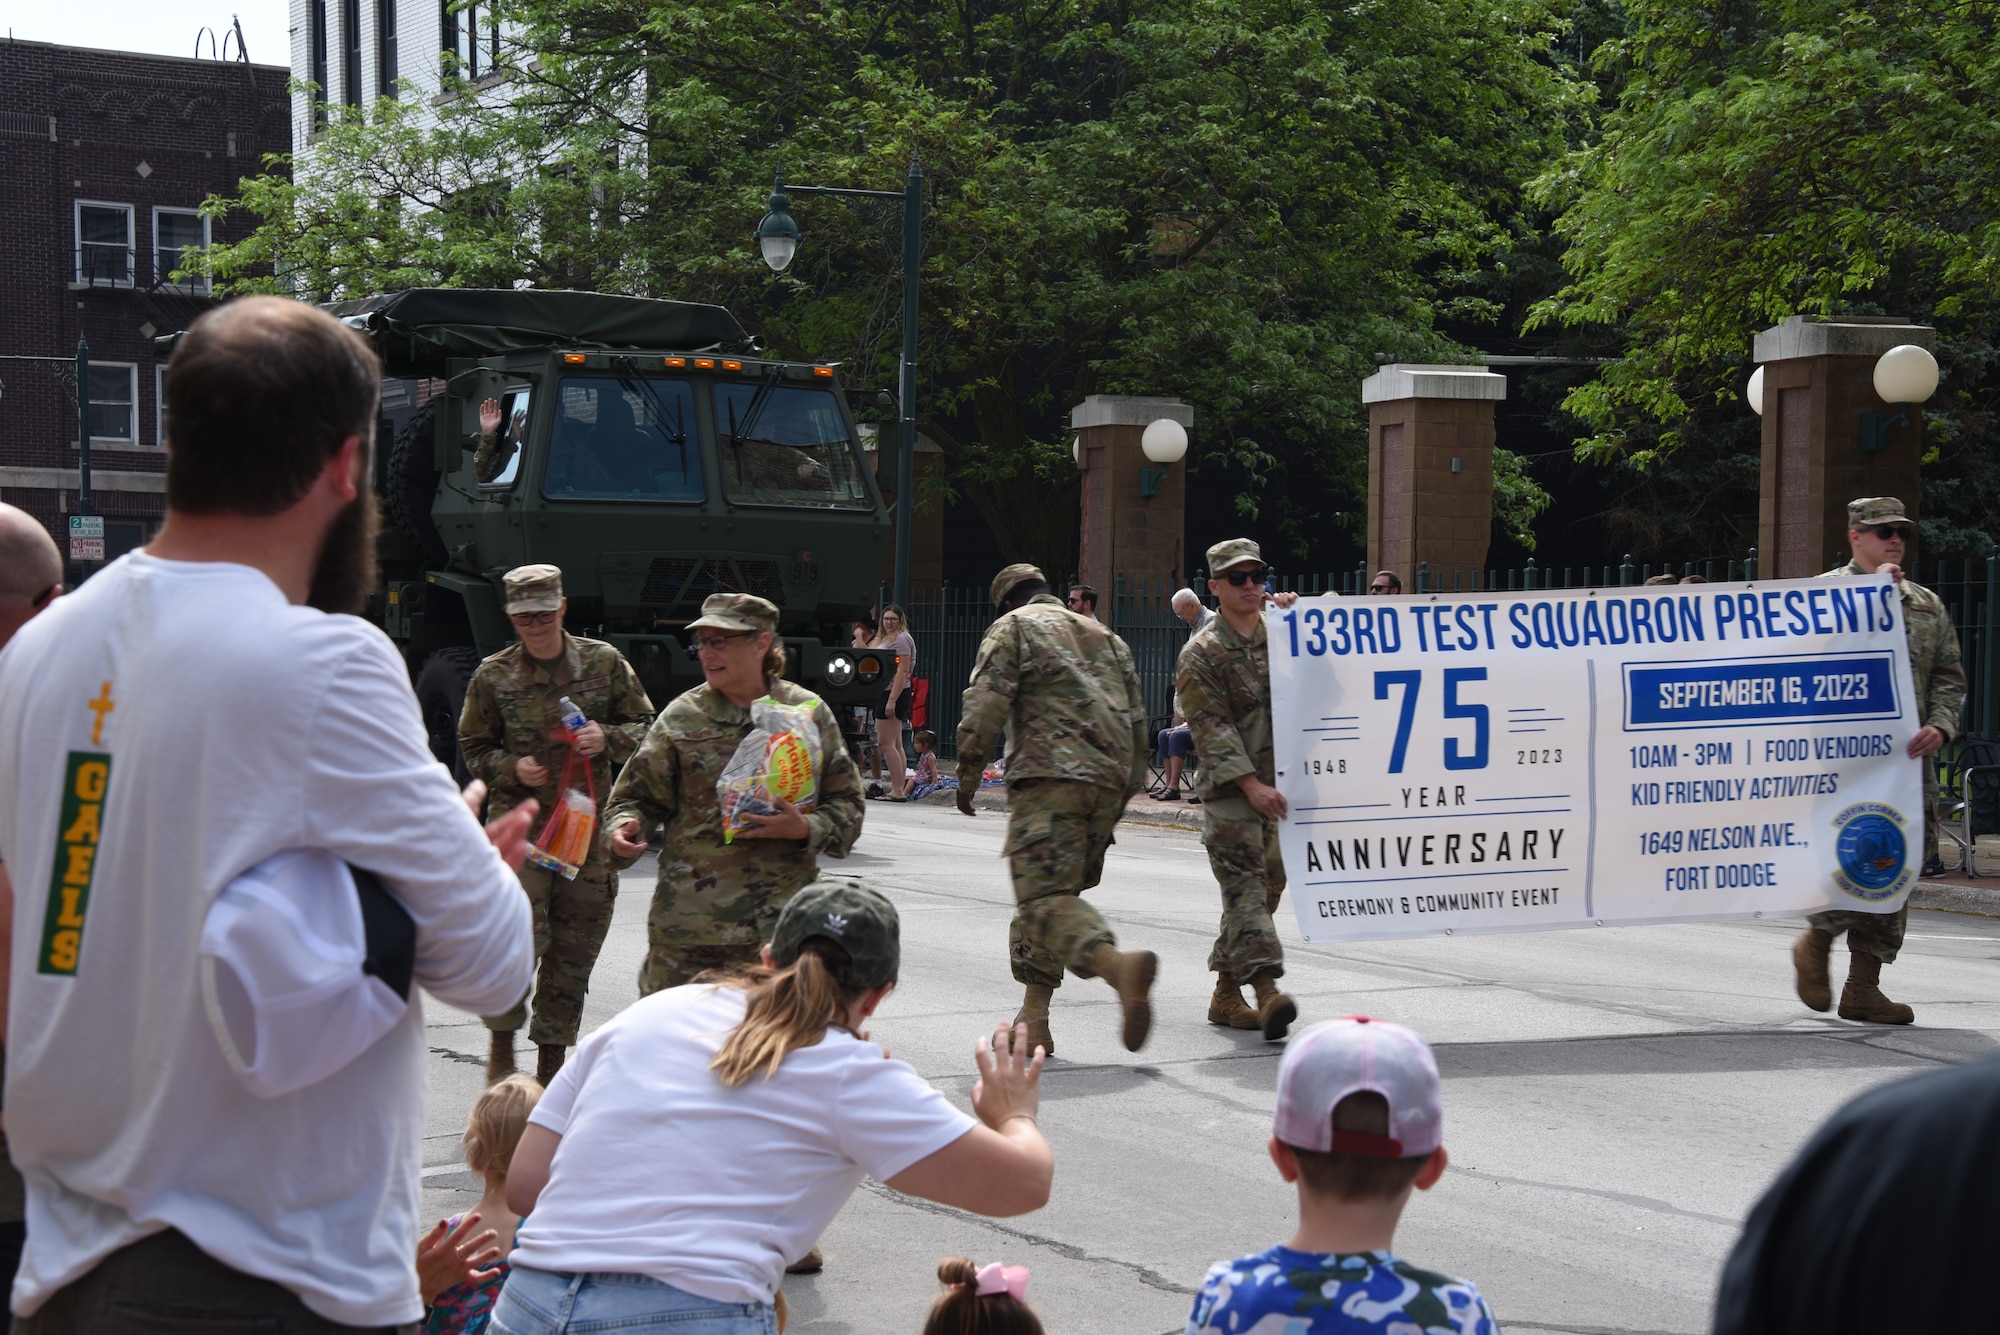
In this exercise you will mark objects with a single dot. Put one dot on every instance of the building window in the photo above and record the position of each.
(104, 244)
(160, 406)
(470, 38)
(114, 417)
(176, 232)
(316, 40)
(385, 47)
(350, 33)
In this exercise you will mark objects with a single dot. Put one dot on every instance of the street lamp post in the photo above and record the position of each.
(778, 239)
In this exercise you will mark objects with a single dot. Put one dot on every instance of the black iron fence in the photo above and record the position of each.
(949, 622)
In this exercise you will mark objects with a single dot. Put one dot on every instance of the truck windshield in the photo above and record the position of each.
(623, 438)
(784, 445)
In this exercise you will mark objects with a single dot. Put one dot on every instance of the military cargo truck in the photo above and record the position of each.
(647, 449)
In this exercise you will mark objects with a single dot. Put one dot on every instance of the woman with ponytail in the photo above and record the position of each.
(702, 1140)
(982, 1300)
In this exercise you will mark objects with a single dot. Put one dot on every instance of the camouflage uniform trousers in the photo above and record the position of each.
(717, 917)
(571, 920)
(1057, 832)
(1878, 934)
(1243, 854)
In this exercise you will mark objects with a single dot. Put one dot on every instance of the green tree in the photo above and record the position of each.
(1767, 159)
(1243, 204)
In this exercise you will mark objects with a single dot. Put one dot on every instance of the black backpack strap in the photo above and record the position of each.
(390, 931)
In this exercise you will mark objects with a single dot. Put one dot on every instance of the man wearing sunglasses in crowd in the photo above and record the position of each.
(513, 737)
(1878, 533)
(1224, 685)
(30, 569)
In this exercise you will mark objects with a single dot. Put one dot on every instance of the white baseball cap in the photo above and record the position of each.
(1326, 1062)
(292, 988)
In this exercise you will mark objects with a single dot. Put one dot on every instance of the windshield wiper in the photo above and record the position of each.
(644, 388)
(751, 412)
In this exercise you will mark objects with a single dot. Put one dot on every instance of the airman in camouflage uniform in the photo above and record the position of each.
(1223, 680)
(716, 902)
(1064, 688)
(1876, 526)
(511, 713)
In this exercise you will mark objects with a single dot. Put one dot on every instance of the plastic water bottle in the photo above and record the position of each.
(572, 717)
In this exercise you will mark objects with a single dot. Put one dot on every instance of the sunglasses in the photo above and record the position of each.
(533, 618)
(1885, 531)
(1239, 578)
(1380, 588)
(716, 643)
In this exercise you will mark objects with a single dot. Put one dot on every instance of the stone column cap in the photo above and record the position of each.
(1128, 410)
(1406, 380)
(1848, 336)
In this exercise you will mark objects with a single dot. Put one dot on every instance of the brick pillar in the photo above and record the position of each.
(1430, 468)
(1124, 532)
(1818, 381)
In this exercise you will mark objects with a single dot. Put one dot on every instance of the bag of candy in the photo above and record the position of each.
(779, 757)
(563, 846)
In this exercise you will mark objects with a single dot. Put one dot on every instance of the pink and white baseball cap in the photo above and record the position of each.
(1326, 1062)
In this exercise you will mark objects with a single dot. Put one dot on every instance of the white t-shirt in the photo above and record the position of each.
(665, 1171)
(164, 728)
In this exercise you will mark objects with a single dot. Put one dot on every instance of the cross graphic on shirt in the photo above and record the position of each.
(101, 706)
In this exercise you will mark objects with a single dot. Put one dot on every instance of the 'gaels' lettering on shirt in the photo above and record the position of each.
(86, 779)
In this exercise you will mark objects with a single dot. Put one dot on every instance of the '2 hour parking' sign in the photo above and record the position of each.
(1568, 758)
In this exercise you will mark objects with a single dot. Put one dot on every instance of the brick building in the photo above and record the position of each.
(107, 156)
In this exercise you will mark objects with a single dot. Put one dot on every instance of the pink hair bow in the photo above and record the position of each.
(1008, 1279)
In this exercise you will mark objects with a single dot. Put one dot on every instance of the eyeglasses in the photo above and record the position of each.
(1241, 577)
(533, 618)
(716, 643)
(1382, 588)
(1884, 531)
(42, 597)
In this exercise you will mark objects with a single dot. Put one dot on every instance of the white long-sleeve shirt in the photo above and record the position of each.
(162, 729)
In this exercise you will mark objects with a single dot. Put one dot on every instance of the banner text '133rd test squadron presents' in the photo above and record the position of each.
(1568, 758)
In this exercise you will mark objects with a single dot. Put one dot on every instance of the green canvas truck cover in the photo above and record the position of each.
(417, 329)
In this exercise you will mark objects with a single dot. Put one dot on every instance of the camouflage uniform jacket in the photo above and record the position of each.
(1224, 683)
(1064, 688)
(1934, 658)
(512, 710)
(670, 785)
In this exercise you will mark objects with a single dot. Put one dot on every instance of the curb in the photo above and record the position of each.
(1953, 898)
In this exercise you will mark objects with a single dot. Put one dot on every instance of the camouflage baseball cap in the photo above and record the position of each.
(1876, 510)
(856, 917)
(1233, 552)
(1004, 582)
(533, 589)
(744, 612)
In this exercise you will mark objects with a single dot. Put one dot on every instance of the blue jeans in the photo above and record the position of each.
(541, 1302)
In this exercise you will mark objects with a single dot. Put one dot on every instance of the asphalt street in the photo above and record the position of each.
(1615, 1100)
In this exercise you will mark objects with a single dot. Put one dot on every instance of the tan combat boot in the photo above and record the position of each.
(1131, 972)
(1862, 998)
(1035, 1014)
(1809, 955)
(810, 1264)
(548, 1061)
(1226, 1006)
(500, 1056)
(1275, 1010)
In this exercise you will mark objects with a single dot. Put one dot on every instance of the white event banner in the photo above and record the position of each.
(1503, 762)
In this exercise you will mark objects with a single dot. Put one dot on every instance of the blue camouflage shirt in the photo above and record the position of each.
(1283, 1292)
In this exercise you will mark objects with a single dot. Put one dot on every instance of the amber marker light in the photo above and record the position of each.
(675, 362)
(824, 372)
(704, 363)
(573, 358)
(732, 366)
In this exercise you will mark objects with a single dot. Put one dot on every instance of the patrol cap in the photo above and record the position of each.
(857, 918)
(1004, 582)
(1876, 510)
(742, 612)
(533, 589)
(1326, 1062)
(1233, 552)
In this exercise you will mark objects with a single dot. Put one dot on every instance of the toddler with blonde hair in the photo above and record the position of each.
(460, 1271)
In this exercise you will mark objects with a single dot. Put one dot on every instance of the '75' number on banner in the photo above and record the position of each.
(1410, 682)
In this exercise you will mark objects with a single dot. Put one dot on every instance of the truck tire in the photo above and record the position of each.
(441, 687)
(410, 483)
